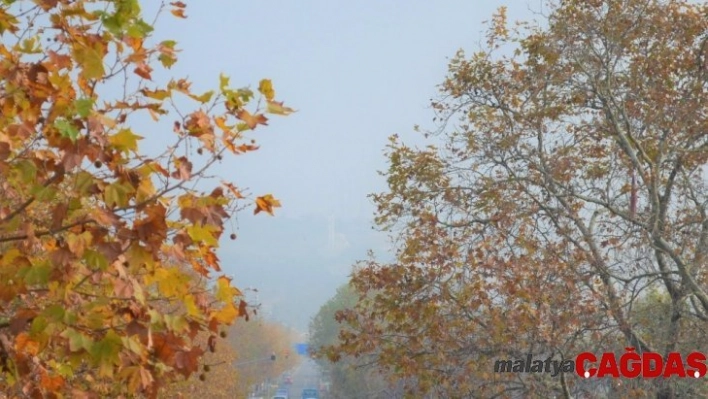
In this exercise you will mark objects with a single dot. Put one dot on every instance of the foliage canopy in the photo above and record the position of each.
(100, 242)
(567, 180)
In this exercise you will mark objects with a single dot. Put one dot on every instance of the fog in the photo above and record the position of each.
(356, 73)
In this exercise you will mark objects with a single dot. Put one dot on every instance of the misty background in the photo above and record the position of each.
(356, 72)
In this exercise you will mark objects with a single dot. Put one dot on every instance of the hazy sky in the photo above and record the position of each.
(356, 72)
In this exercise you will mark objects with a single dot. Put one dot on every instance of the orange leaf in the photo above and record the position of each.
(266, 203)
(252, 120)
(178, 13)
(232, 189)
(52, 384)
(24, 343)
(199, 268)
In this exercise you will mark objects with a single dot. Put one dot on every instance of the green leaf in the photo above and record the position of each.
(245, 94)
(95, 260)
(83, 107)
(27, 169)
(54, 313)
(117, 194)
(38, 274)
(44, 194)
(40, 325)
(105, 352)
(91, 61)
(133, 344)
(66, 129)
(77, 340)
(83, 182)
(111, 23)
(139, 29)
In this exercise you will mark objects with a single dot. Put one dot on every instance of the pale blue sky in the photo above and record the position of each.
(356, 72)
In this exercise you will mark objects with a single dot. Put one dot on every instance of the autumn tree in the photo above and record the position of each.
(566, 180)
(254, 341)
(98, 237)
(350, 376)
(216, 377)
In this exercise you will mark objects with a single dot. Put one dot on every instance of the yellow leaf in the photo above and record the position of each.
(156, 94)
(125, 140)
(203, 234)
(266, 88)
(224, 291)
(145, 190)
(191, 305)
(204, 98)
(78, 243)
(278, 108)
(227, 314)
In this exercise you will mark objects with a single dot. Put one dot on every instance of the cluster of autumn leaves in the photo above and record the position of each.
(560, 208)
(108, 265)
(241, 362)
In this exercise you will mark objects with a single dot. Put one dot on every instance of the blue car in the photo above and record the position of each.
(310, 394)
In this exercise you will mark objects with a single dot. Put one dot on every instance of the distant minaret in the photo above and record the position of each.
(331, 237)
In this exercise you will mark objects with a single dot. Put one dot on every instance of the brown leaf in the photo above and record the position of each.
(48, 4)
(143, 70)
(61, 61)
(122, 288)
(184, 169)
(243, 309)
(105, 217)
(58, 215)
(21, 319)
(38, 74)
(194, 215)
(212, 343)
(4, 151)
(20, 131)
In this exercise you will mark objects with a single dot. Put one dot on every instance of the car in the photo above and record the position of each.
(287, 379)
(280, 397)
(310, 393)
